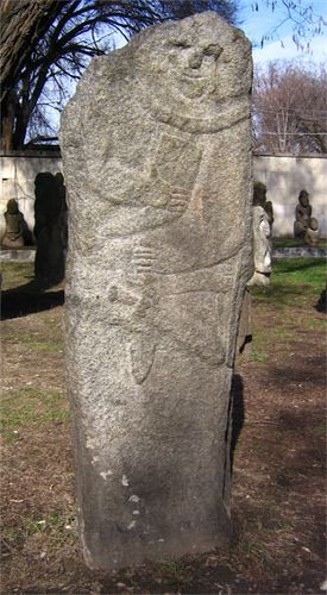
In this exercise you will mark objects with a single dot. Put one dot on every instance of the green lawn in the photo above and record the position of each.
(294, 280)
(289, 242)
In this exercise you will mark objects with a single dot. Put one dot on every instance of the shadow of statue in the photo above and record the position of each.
(321, 305)
(29, 298)
(237, 413)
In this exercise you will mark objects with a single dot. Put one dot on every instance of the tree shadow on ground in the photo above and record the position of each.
(298, 264)
(29, 298)
(280, 295)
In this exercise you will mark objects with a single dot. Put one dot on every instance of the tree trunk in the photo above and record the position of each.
(22, 24)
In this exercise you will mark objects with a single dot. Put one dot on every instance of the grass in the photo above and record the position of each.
(175, 573)
(295, 283)
(293, 280)
(37, 341)
(30, 406)
(15, 274)
(277, 460)
(300, 271)
(20, 276)
(54, 528)
(259, 356)
(289, 242)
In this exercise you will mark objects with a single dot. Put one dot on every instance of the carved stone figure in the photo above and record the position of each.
(259, 193)
(262, 246)
(50, 227)
(14, 232)
(303, 212)
(268, 207)
(312, 233)
(159, 257)
(260, 199)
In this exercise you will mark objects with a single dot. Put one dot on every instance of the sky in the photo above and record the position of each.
(264, 21)
(256, 24)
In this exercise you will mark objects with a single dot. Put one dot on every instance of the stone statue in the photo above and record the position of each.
(263, 218)
(14, 233)
(303, 212)
(312, 234)
(50, 227)
(268, 207)
(262, 226)
(155, 281)
(260, 199)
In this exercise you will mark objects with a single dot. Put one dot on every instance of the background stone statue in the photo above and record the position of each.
(312, 234)
(263, 218)
(50, 227)
(303, 212)
(262, 233)
(159, 256)
(14, 232)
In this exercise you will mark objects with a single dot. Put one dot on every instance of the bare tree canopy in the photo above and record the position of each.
(45, 42)
(290, 109)
(306, 22)
(22, 24)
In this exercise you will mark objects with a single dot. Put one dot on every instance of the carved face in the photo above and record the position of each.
(194, 66)
(304, 198)
(200, 68)
(12, 206)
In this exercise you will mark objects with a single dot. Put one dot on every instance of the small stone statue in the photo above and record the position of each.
(14, 234)
(268, 207)
(312, 233)
(262, 225)
(260, 199)
(302, 215)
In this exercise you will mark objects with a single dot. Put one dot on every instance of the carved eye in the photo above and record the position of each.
(181, 44)
(213, 51)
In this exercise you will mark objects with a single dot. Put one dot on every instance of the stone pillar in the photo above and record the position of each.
(156, 148)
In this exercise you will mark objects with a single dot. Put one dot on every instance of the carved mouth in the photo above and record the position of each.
(192, 75)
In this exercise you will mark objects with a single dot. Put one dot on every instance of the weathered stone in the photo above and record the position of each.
(312, 234)
(303, 212)
(157, 160)
(14, 232)
(263, 217)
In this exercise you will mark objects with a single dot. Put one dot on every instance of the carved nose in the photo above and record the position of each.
(195, 61)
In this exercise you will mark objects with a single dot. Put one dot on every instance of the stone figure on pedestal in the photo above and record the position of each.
(306, 227)
(303, 212)
(262, 231)
(14, 232)
(312, 234)
(263, 218)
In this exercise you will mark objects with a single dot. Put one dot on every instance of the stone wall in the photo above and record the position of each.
(283, 175)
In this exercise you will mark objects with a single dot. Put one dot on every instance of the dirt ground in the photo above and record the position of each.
(278, 465)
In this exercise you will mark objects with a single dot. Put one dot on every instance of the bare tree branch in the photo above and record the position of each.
(290, 109)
